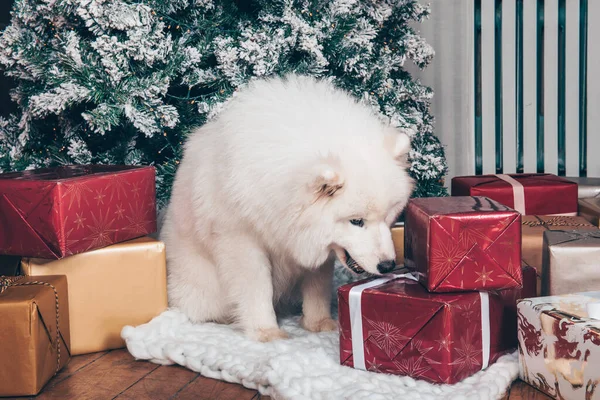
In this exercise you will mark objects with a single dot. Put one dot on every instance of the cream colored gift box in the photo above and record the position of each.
(122, 284)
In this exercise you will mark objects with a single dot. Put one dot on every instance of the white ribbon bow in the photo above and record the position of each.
(356, 320)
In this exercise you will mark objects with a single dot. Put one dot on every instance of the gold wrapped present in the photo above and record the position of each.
(34, 332)
(590, 210)
(398, 239)
(122, 284)
(570, 262)
(533, 228)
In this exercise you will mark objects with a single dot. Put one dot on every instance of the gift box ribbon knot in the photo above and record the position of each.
(356, 320)
(7, 282)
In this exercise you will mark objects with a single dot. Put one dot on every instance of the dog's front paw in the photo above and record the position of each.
(320, 325)
(268, 334)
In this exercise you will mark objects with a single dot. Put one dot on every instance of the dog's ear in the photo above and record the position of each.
(326, 181)
(398, 142)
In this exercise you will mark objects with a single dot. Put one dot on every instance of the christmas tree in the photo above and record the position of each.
(124, 81)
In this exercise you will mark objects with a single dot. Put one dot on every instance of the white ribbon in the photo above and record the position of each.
(571, 214)
(356, 320)
(518, 192)
(485, 329)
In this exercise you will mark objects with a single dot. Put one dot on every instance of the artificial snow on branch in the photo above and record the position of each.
(124, 81)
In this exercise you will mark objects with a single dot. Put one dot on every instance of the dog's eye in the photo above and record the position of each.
(358, 222)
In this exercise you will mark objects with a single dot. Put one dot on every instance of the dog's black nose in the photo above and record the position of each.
(386, 266)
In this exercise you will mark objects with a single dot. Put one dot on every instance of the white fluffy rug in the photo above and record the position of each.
(303, 367)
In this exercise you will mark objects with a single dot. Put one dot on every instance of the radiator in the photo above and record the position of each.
(536, 80)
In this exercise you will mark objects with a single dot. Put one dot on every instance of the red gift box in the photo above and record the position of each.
(463, 243)
(510, 298)
(526, 193)
(395, 326)
(57, 212)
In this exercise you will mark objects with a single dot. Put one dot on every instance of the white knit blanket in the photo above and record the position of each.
(303, 367)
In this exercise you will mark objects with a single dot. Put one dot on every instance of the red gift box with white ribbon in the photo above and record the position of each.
(529, 194)
(393, 325)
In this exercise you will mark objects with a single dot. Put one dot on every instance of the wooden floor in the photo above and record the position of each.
(116, 375)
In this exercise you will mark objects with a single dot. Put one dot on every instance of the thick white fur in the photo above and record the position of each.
(262, 201)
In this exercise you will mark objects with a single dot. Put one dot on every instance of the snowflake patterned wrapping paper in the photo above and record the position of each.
(122, 284)
(463, 243)
(510, 297)
(533, 228)
(570, 262)
(58, 212)
(402, 329)
(559, 345)
(590, 210)
(526, 193)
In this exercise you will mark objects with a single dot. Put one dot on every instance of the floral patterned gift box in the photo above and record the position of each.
(559, 344)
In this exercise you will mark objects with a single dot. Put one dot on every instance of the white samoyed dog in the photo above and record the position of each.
(292, 173)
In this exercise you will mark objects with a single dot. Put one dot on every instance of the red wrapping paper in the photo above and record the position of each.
(510, 298)
(463, 243)
(436, 337)
(57, 212)
(538, 189)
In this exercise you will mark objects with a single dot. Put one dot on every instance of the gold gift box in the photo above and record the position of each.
(590, 210)
(398, 239)
(533, 228)
(34, 332)
(122, 284)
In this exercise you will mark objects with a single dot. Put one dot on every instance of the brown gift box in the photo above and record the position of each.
(398, 239)
(590, 210)
(122, 284)
(34, 338)
(533, 228)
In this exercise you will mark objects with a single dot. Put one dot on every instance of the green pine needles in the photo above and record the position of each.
(124, 81)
